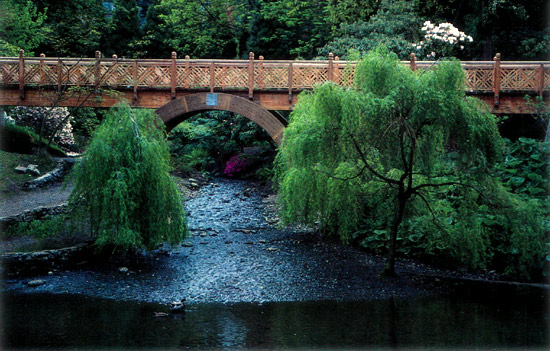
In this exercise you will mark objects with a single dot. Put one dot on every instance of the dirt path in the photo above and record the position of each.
(28, 200)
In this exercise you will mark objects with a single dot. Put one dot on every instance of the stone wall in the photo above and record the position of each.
(18, 264)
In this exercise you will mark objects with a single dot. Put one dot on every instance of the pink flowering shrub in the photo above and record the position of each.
(52, 120)
(235, 165)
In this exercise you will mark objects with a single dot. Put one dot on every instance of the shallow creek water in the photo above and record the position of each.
(248, 284)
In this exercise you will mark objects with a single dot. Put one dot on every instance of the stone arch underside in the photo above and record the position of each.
(184, 107)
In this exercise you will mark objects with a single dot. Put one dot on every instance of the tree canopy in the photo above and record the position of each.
(275, 29)
(367, 159)
(123, 186)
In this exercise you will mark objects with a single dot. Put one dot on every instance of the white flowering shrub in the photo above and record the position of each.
(441, 41)
(54, 121)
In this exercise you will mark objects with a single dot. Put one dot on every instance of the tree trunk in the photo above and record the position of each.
(389, 270)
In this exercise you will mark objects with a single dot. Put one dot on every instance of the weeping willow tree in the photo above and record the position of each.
(393, 137)
(123, 186)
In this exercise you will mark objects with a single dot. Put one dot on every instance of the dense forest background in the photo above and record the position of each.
(276, 29)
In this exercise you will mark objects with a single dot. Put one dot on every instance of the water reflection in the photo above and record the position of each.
(71, 321)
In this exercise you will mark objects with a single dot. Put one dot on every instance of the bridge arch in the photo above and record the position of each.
(184, 107)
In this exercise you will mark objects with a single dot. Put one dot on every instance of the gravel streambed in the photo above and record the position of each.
(236, 253)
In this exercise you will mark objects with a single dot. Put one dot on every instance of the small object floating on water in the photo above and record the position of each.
(36, 282)
(123, 269)
(160, 314)
(177, 306)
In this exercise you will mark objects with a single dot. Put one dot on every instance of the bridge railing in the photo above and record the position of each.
(252, 74)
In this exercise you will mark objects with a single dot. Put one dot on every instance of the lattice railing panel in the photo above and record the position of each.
(275, 77)
(181, 74)
(79, 75)
(306, 77)
(231, 77)
(479, 79)
(546, 79)
(118, 74)
(518, 79)
(344, 75)
(198, 76)
(9, 73)
(154, 76)
(49, 73)
(32, 74)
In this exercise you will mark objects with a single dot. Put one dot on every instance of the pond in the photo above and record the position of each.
(470, 318)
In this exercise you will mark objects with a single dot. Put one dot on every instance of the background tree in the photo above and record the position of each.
(124, 29)
(196, 28)
(518, 28)
(288, 28)
(350, 11)
(21, 27)
(394, 137)
(123, 186)
(395, 25)
(77, 27)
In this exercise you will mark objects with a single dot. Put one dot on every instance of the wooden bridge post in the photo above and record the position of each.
(41, 70)
(261, 73)
(21, 74)
(97, 69)
(330, 73)
(540, 78)
(496, 80)
(250, 75)
(413, 62)
(173, 75)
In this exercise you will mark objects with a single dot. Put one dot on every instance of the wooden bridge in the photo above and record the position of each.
(179, 88)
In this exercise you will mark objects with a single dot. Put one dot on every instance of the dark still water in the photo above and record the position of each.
(75, 321)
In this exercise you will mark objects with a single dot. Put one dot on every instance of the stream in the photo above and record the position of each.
(249, 284)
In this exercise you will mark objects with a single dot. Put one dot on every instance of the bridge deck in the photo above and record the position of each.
(272, 83)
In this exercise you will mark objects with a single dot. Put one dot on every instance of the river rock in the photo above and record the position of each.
(36, 282)
(33, 169)
(21, 169)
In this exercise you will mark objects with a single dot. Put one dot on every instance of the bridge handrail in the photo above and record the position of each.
(252, 74)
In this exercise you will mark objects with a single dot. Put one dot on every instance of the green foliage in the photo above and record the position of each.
(288, 28)
(39, 229)
(198, 159)
(21, 27)
(369, 153)
(196, 28)
(85, 120)
(265, 173)
(395, 25)
(207, 141)
(526, 168)
(78, 28)
(22, 139)
(123, 185)
(350, 11)
(124, 29)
